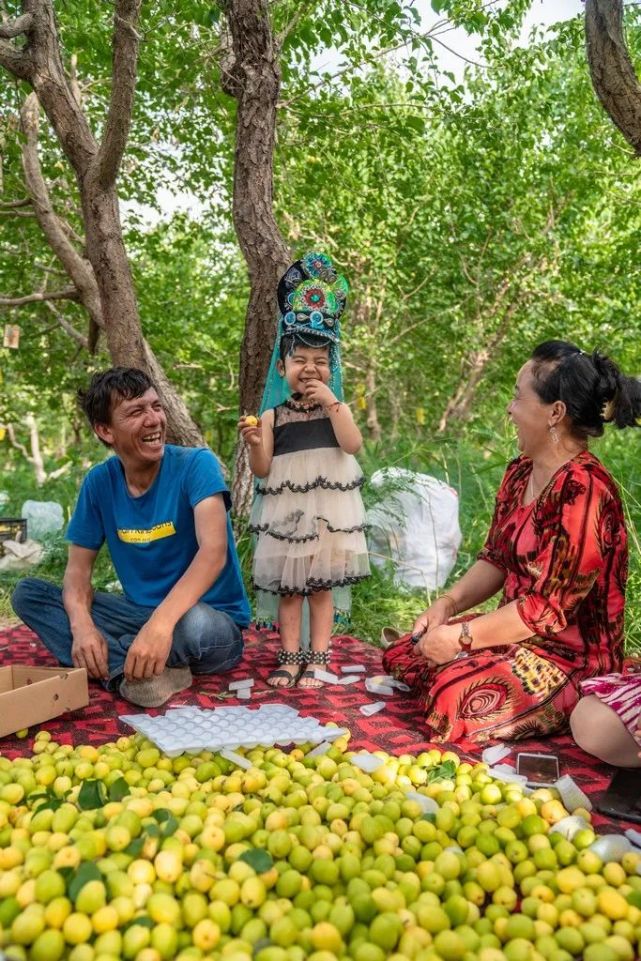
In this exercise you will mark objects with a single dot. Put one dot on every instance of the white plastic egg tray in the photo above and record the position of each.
(190, 729)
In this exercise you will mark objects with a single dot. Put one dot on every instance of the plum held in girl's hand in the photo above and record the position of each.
(251, 421)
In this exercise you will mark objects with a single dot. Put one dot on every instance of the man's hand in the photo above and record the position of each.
(149, 652)
(319, 393)
(89, 650)
(440, 645)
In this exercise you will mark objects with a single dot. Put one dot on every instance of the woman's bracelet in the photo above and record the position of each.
(450, 598)
(335, 405)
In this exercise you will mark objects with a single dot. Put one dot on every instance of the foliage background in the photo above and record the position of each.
(475, 216)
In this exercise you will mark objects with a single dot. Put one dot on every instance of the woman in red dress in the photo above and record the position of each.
(557, 550)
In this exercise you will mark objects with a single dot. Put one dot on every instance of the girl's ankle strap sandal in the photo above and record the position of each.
(284, 677)
(291, 657)
(318, 657)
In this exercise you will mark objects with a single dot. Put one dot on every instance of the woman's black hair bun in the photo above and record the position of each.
(619, 395)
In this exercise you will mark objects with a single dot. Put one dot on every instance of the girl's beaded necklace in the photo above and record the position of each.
(294, 403)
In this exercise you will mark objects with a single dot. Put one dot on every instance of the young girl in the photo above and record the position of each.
(308, 514)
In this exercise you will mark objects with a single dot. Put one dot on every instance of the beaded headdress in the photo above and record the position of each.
(311, 299)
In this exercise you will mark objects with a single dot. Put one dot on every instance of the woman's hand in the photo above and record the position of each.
(251, 431)
(438, 613)
(441, 644)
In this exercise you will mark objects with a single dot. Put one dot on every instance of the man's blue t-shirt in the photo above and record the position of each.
(152, 538)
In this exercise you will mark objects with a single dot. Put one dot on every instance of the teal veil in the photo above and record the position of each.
(311, 299)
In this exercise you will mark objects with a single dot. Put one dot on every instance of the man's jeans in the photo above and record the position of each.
(205, 640)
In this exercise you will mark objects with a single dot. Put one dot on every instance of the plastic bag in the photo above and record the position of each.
(19, 556)
(415, 525)
(43, 517)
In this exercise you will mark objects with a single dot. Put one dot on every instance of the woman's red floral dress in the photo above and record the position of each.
(565, 560)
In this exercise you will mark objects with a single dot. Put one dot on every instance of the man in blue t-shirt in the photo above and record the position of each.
(163, 512)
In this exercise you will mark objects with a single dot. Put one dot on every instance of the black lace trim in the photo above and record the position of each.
(313, 586)
(322, 482)
(264, 529)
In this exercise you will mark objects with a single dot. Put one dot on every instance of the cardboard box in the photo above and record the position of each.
(12, 529)
(32, 695)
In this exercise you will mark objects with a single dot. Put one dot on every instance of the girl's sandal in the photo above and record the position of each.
(307, 679)
(297, 658)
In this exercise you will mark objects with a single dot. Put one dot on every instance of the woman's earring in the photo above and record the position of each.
(554, 434)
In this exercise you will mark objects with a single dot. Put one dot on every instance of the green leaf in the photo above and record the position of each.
(135, 847)
(52, 804)
(39, 796)
(86, 872)
(119, 789)
(169, 824)
(258, 859)
(442, 772)
(93, 794)
(416, 123)
(144, 921)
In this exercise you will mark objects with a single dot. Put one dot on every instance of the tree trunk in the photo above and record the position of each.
(611, 69)
(35, 457)
(127, 347)
(252, 76)
(458, 406)
(373, 424)
(474, 368)
(36, 454)
(396, 409)
(39, 63)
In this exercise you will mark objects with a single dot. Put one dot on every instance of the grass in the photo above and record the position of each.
(472, 465)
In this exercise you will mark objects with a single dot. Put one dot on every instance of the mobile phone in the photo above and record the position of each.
(622, 799)
(541, 770)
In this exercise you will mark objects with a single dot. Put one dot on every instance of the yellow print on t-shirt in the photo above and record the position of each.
(144, 537)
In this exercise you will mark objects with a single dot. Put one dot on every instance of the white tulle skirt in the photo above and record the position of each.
(310, 521)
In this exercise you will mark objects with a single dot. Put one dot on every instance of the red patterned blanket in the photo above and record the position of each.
(397, 729)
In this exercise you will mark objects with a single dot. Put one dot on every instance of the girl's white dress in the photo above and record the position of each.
(309, 514)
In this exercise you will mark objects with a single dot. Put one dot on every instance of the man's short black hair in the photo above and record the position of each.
(107, 386)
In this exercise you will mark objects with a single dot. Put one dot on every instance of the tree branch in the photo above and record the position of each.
(13, 204)
(50, 83)
(16, 213)
(13, 28)
(15, 61)
(613, 76)
(125, 57)
(302, 11)
(67, 327)
(11, 434)
(53, 227)
(71, 293)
